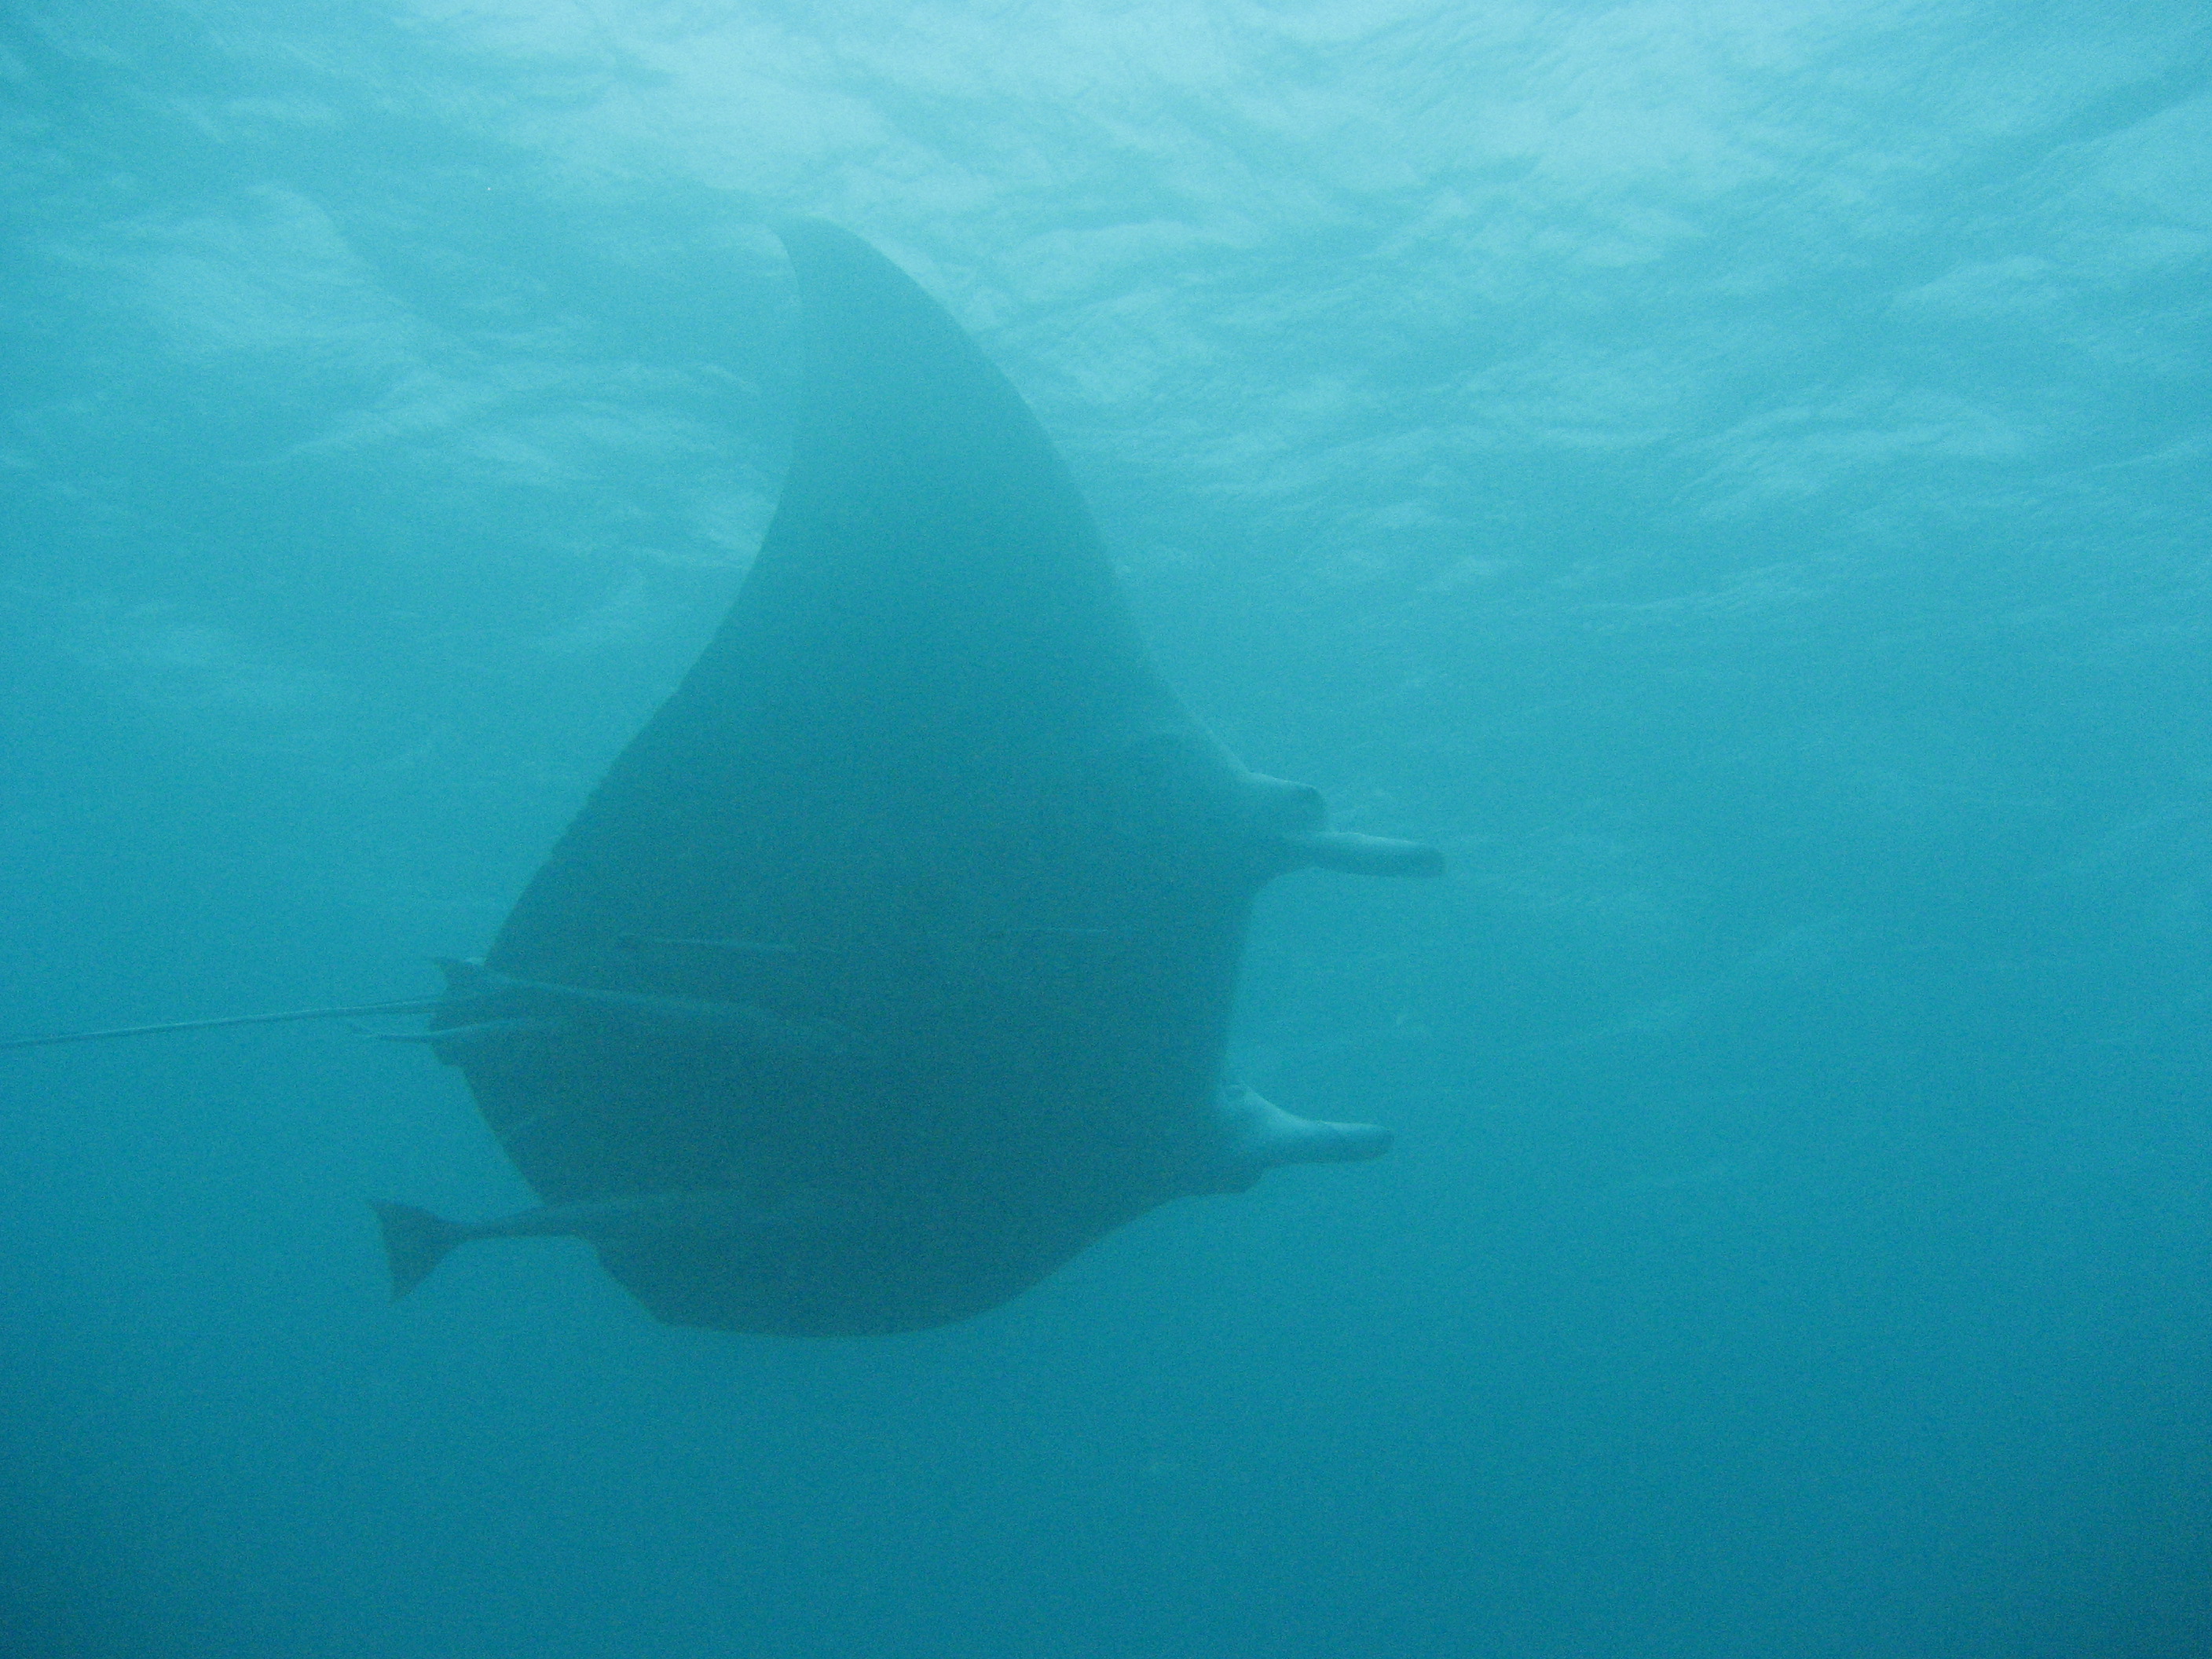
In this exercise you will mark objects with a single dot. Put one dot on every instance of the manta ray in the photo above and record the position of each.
(891, 964)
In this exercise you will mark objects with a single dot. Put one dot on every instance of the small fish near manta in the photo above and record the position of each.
(891, 964)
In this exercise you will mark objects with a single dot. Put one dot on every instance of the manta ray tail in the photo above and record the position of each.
(415, 1241)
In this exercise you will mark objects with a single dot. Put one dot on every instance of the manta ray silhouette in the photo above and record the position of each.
(891, 964)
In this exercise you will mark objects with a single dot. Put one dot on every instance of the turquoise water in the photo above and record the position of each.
(1735, 477)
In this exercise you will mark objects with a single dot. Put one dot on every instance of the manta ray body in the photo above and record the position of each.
(891, 964)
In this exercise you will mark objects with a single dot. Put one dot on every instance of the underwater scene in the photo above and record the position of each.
(1340, 829)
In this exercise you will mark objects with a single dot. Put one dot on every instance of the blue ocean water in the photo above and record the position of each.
(1735, 476)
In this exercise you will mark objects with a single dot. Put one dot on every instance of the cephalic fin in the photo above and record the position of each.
(1364, 855)
(1257, 1136)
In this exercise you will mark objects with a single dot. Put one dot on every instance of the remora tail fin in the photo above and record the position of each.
(414, 1241)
